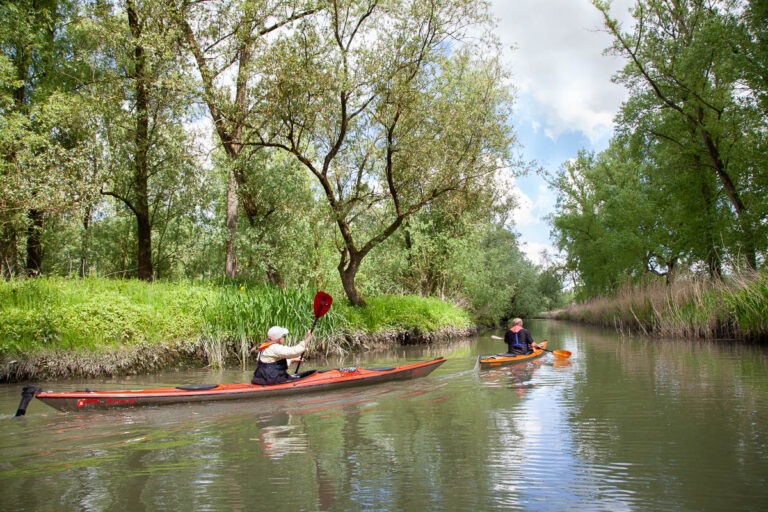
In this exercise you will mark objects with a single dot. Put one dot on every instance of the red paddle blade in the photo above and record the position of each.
(562, 354)
(322, 303)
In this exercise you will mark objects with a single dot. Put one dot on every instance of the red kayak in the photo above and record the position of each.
(321, 380)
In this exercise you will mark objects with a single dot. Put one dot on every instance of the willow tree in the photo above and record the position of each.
(140, 105)
(683, 60)
(617, 223)
(225, 40)
(388, 111)
(39, 157)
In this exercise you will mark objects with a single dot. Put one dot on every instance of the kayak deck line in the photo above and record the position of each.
(313, 380)
(495, 361)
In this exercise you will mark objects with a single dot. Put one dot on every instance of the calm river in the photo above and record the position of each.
(624, 424)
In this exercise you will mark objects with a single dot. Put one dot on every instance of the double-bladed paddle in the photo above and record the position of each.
(321, 305)
(562, 354)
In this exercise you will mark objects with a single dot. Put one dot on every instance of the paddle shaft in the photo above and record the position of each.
(311, 330)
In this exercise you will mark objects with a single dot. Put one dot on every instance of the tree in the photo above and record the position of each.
(676, 56)
(39, 159)
(225, 40)
(610, 221)
(497, 278)
(138, 103)
(751, 51)
(368, 97)
(285, 234)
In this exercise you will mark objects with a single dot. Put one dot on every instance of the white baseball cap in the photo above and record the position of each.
(276, 332)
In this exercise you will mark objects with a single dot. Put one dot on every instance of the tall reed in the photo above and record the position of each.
(239, 316)
(736, 307)
(749, 304)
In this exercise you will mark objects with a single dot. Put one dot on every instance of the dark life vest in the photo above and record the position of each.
(270, 373)
(521, 343)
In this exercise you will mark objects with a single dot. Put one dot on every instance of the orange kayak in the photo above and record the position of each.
(321, 380)
(486, 362)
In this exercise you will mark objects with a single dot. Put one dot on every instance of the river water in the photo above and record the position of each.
(625, 424)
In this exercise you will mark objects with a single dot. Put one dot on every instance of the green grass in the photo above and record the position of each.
(394, 312)
(97, 314)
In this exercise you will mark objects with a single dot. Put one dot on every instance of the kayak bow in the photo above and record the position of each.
(322, 380)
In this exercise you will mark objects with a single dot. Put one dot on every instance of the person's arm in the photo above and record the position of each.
(304, 343)
(279, 351)
(529, 340)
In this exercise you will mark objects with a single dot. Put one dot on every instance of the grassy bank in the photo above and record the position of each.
(53, 327)
(690, 308)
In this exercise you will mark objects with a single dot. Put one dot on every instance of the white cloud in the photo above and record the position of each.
(523, 214)
(558, 66)
(566, 100)
(527, 218)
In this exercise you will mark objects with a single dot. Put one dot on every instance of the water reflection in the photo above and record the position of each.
(624, 424)
(516, 377)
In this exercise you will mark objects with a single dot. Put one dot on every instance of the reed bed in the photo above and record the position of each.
(693, 308)
(236, 319)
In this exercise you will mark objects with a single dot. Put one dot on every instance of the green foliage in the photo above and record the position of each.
(96, 313)
(397, 312)
(499, 281)
(286, 234)
(102, 314)
(680, 190)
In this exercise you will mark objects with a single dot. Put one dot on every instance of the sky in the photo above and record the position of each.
(565, 99)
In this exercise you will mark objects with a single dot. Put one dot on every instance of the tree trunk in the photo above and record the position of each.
(734, 197)
(232, 216)
(84, 241)
(275, 277)
(8, 263)
(141, 179)
(348, 267)
(34, 243)
(146, 270)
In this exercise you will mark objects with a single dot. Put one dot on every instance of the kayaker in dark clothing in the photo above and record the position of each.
(275, 358)
(518, 339)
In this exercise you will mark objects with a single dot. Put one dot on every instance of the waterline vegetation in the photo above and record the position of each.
(735, 307)
(56, 327)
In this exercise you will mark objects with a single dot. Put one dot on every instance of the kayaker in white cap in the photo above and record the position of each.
(274, 358)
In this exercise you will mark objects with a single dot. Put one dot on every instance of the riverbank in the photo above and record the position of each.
(691, 308)
(53, 328)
